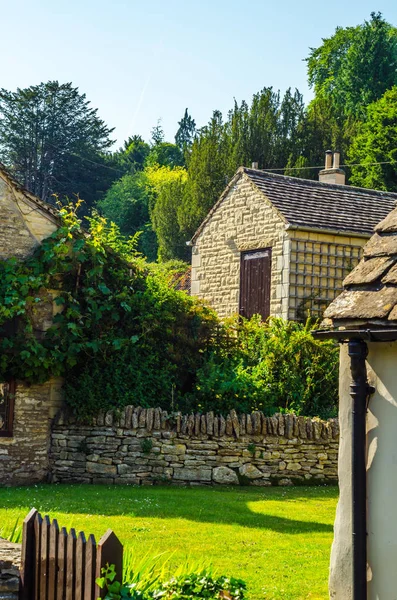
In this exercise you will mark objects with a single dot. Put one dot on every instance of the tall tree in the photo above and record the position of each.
(373, 153)
(157, 134)
(126, 203)
(54, 142)
(185, 134)
(170, 186)
(133, 156)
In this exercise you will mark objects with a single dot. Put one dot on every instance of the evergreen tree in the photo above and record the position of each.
(54, 142)
(185, 134)
(157, 134)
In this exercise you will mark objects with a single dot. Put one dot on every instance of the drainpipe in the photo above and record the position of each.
(359, 392)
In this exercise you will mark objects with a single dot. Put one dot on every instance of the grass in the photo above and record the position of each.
(277, 539)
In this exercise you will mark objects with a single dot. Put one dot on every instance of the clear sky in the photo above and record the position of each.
(141, 61)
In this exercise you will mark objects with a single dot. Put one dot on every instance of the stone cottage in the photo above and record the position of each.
(25, 412)
(278, 245)
(364, 315)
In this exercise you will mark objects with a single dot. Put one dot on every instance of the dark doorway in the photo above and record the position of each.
(255, 274)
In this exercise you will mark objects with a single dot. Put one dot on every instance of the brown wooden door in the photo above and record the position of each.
(255, 279)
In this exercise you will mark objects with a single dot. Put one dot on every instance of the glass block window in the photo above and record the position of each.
(7, 394)
(317, 270)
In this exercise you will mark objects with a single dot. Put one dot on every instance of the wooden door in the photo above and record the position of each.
(255, 280)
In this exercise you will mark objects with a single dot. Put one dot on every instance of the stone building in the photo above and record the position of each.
(25, 412)
(278, 245)
(364, 316)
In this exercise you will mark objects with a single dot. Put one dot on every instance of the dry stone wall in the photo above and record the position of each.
(148, 446)
(10, 558)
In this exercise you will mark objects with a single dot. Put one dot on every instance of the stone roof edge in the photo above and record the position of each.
(322, 184)
(47, 208)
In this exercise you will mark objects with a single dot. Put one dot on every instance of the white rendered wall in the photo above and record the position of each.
(382, 479)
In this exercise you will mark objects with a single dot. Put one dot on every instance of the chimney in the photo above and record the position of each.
(254, 165)
(332, 173)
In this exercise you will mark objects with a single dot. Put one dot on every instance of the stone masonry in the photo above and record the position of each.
(245, 220)
(10, 558)
(24, 456)
(149, 446)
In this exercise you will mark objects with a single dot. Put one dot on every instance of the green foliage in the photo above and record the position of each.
(54, 142)
(146, 445)
(185, 134)
(165, 155)
(166, 223)
(126, 203)
(355, 66)
(191, 585)
(272, 366)
(122, 333)
(132, 158)
(200, 585)
(376, 142)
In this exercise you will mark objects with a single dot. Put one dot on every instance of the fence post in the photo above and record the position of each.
(27, 556)
(109, 551)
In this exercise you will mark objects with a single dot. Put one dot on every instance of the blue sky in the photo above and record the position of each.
(141, 61)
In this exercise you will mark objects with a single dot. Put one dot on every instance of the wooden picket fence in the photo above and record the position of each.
(57, 565)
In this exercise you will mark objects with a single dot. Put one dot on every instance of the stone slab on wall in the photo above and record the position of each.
(24, 456)
(10, 558)
(147, 446)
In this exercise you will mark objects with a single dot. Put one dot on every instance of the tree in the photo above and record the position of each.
(132, 157)
(376, 142)
(157, 134)
(165, 155)
(54, 142)
(208, 173)
(126, 203)
(355, 66)
(165, 215)
(185, 134)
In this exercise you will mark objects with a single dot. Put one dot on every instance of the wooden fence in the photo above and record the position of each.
(57, 565)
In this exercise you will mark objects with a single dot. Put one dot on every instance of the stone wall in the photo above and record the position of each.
(23, 223)
(147, 446)
(24, 456)
(10, 558)
(245, 220)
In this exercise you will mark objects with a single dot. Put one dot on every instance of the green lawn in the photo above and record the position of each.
(276, 539)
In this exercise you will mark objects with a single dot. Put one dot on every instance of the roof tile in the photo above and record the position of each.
(363, 304)
(368, 271)
(323, 205)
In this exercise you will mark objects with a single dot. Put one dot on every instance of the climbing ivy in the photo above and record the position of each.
(120, 333)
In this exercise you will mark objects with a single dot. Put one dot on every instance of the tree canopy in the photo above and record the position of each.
(54, 142)
(373, 153)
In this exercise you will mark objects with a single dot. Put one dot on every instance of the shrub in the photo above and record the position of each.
(125, 336)
(273, 366)
(191, 585)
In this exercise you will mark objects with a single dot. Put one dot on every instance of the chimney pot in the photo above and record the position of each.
(336, 160)
(332, 172)
(254, 165)
(328, 159)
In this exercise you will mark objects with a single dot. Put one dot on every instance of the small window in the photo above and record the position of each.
(7, 395)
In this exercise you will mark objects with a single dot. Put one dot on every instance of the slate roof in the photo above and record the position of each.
(305, 203)
(324, 205)
(370, 290)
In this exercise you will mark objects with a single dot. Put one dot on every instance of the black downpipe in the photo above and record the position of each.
(359, 392)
